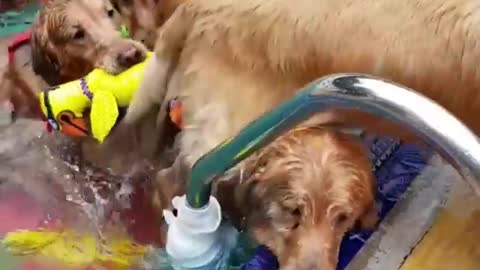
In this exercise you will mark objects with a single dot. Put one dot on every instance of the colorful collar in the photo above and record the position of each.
(21, 39)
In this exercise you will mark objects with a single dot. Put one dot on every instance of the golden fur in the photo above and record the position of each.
(302, 193)
(220, 56)
(143, 17)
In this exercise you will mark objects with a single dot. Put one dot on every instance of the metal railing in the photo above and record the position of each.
(426, 119)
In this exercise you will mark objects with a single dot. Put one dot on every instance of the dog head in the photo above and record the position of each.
(143, 17)
(70, 38)
(305, 191)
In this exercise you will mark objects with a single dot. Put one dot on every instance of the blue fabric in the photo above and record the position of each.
(395, 165)
(262, 260)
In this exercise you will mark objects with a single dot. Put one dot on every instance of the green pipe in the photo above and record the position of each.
(432, 123)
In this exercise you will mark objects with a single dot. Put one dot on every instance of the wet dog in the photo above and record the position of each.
(302, 193)
(69, 39)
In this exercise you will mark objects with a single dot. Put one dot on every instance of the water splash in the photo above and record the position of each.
(85, 198)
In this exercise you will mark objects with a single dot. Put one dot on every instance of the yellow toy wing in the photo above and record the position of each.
(103, 114)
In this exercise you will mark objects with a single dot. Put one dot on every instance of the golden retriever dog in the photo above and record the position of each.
(302, 193)
(69, 38)
(256, 54)
(299, 195)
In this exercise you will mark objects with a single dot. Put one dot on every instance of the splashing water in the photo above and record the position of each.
(71, 193)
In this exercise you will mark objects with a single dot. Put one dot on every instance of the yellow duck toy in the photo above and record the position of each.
(65, 105)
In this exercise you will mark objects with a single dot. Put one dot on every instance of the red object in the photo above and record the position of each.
(138, 220)
(19, 211)
(175, 113)
(20, 40)
(6, 5)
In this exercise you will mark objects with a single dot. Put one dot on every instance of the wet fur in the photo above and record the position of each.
(59, 54)
(70, 38)
(302, 193)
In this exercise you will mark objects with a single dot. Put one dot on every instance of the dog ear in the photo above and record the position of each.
(251, 191)
(44, 63)
(250, 199)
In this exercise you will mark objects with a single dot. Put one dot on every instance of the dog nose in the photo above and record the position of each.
(130, 57)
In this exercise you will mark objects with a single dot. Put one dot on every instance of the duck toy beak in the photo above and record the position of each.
(73, 126)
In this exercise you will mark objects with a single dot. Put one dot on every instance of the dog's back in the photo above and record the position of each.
(257, 53)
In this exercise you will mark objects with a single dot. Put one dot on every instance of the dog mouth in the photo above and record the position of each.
(123, 57)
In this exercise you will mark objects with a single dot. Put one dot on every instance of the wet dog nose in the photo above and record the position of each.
(130, 57)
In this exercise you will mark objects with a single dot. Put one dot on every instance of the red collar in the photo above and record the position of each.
(21, 39)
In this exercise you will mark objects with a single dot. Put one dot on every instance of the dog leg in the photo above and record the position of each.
(209, 127)
(168, 47)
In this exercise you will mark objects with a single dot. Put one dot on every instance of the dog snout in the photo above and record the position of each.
(316, 250)
(130, 56)
(312, 263)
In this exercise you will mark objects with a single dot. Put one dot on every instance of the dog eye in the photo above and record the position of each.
(79, 34)
(110, 13)
(341, 219)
